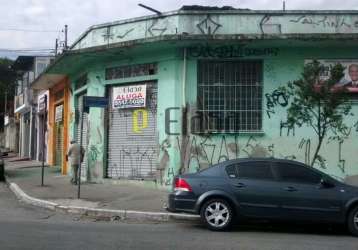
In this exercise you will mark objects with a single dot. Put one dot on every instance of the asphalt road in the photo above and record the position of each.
(26, 227)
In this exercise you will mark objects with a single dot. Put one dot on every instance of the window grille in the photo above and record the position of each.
(229, 97)
(131, 71)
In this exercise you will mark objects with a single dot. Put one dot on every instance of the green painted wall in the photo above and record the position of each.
(243, 23)
(193, 152)
(202, 151)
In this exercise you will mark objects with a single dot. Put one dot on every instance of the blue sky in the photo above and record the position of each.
(21, 18)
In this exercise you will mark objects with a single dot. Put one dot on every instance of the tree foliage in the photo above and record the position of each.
(7, 85)
(7, 77)
(319, 104)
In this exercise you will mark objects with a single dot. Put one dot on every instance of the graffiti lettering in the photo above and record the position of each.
(277, 97)
(93, 153)
(341, 161)
(223, 147)
(170, 176)
(125, 33)
(306, 145)
(267, 27)
(208, 26)
(356, 126)
(230, 51)
(168, 121)
(325, 21)
(250, 146)
(108, 35)
(156, 31)
(290, 130)
(204, 145)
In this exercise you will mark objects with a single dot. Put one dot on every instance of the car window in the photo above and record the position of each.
(211, 171)
(289, 172)
(254, 170)
(231, 171)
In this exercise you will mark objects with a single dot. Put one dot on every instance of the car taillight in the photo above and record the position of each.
(182, 185)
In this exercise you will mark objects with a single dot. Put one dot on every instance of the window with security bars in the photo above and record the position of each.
(229, 97)
(131, 71)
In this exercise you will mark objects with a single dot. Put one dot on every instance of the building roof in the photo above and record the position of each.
(23, 63)
(206, 8)
(205, 24)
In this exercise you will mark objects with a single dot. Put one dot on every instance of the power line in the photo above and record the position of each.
(27, 49)
(28, 30)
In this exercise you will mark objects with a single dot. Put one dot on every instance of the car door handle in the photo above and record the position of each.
(290, 189)
(239, 185)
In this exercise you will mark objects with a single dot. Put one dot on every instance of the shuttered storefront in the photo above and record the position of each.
(59, 134)
(79, 109)
(132, 139)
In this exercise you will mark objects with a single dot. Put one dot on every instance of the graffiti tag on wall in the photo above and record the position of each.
(229, 51)
(330, 22)
(276, 98)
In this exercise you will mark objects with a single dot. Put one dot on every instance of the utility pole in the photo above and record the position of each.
(56, 46)
(80, 158)
(5, 111)
(44, 125)
(66, 29)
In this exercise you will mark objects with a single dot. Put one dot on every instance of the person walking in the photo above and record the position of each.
(75, 156)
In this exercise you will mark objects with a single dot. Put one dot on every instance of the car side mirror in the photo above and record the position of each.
(326, 183)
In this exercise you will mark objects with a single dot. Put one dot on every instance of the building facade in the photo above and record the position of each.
(26, 104)
(188, 89)
(58, 119)
(10, 128)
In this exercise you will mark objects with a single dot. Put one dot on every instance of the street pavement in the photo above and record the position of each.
(27, 227)
(112, 194)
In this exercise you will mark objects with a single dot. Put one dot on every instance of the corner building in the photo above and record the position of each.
(191, 88)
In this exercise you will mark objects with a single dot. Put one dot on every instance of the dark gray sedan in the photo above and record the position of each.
(264, 188)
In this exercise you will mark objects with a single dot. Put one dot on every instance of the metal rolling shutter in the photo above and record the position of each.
(59, 143)
(133, 155)
(84, 164)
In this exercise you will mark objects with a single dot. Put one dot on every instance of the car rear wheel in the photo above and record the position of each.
(217, 214)
(353, 221)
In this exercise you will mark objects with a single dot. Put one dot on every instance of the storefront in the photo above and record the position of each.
(58, 125)
(83, 132)
(132, 130)
(42, 128)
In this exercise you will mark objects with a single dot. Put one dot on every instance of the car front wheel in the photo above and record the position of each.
(217, 214)
(353, 221)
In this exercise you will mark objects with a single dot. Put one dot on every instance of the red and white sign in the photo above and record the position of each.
(58, 113)
(130, 96)
(42, 102)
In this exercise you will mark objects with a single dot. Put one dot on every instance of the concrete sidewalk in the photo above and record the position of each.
(111, 198)
(110, 194)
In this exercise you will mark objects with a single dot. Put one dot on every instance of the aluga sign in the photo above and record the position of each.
(132, 96)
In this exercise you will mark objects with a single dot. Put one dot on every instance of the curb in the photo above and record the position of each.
(111, 214)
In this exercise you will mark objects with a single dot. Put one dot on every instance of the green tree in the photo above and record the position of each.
(319, 104)
(7, 84)
(7, 76)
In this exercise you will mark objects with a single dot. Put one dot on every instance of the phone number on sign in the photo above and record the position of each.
(128, 103)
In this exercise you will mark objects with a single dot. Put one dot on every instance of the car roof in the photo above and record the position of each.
(268, 159)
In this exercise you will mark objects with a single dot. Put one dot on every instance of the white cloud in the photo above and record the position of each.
(79, 15)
